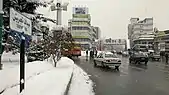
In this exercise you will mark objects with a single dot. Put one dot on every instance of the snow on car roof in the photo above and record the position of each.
(108, 53)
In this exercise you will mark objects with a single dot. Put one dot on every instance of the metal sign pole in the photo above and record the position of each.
(22, 64)
(1, 24)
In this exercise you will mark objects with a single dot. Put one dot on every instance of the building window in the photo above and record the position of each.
(143, 42)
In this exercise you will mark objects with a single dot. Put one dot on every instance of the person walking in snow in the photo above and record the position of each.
(166, 56)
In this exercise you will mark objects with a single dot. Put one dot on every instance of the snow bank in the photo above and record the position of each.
(9, 60)
(81, 83)
(9, 77)
(42, 78)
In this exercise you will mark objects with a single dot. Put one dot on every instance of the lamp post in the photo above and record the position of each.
(59, 7)
(1, 28)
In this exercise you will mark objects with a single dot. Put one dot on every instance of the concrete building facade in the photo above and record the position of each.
(97, 32)
(141, 32)
(81, 29)
(161, 41)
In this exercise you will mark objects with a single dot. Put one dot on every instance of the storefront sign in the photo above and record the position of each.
(20, 23)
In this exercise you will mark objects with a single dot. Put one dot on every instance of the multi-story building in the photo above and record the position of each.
(161, 41)
(141, 32)
(81, 29)
(97, 32)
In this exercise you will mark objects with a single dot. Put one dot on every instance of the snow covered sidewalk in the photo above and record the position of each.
(41, 78)
(44, 79)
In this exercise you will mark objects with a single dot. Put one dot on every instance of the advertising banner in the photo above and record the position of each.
(80, 10)
(20, 23)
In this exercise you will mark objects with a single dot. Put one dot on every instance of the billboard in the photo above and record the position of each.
(20, 23)
(80, 10)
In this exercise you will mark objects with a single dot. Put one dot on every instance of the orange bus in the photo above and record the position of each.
(74, 50)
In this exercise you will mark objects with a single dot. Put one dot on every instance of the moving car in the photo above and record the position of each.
(138, 57)
(154, 56)
(107, 59)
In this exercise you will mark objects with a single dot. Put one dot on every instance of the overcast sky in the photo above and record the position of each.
(112, 16)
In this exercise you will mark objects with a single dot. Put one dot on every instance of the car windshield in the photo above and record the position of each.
(110, 56)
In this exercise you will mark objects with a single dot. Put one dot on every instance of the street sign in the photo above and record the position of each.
(20, 23)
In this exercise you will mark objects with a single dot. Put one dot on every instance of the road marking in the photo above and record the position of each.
(137, 68)
(123, 72)
(164, 71)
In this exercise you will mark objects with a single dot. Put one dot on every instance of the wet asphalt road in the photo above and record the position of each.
(130, 80)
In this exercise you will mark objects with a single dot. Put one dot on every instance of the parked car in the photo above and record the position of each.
(36, 53)
(107, 59)
(35, 56)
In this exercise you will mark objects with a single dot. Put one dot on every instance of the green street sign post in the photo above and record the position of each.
(1, 29)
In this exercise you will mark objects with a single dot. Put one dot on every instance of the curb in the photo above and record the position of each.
(68, 86)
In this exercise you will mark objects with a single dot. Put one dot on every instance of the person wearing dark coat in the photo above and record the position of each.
(166, 56)
(96, 53)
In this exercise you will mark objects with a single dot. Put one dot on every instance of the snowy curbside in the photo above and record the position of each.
(81, 84)
(68, 86)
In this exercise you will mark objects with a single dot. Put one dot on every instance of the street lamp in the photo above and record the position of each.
(59, 7)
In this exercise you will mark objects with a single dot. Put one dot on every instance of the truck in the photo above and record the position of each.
(138, 55)
(72, 50)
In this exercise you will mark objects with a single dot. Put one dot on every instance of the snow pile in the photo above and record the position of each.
(81, 83)
(44, 79)
(9, 60)
(10, 76)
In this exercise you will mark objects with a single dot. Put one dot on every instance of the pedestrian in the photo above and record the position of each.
(166, 56)
(87, 52)
(96, 53)
(86, 55)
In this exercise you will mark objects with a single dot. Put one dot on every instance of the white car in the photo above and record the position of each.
(107, 60)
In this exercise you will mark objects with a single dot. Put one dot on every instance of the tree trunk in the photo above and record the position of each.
(54, 59)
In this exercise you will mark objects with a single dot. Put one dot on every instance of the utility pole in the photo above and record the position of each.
(1, 29)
